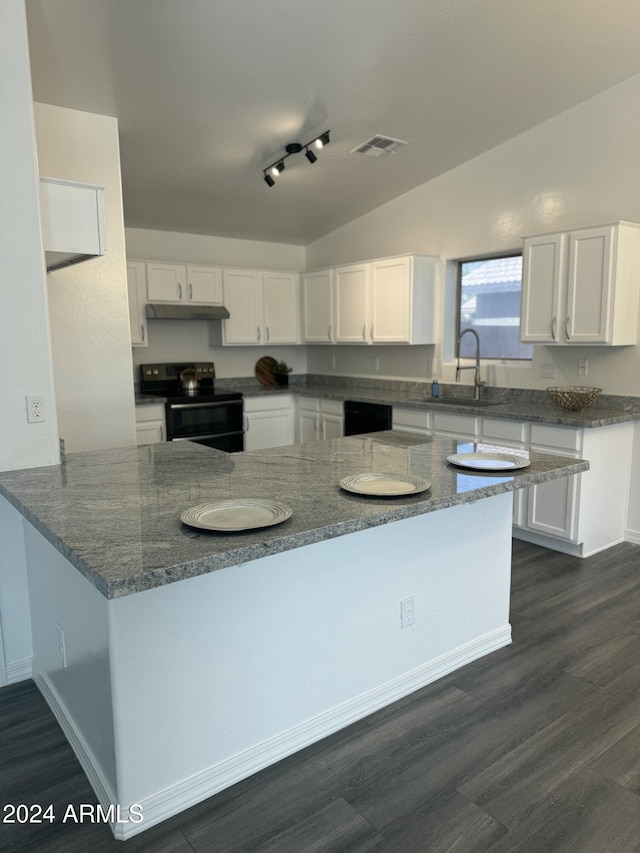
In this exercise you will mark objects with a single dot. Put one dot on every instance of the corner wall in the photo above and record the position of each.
(88, 302)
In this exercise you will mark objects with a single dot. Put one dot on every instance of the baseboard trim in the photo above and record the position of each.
(83, 753)
(632, 536)
(19, 670)
(165, 804)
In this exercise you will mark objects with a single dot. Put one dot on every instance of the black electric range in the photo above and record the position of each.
(202, 415)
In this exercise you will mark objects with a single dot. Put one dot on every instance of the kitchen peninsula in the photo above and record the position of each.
(179, 661)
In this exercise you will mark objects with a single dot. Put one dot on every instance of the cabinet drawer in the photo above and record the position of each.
(563, 438)
(332, 407)
(410, 419)
(498, 430)
(450, 424)
(267, 403)
(149, 412)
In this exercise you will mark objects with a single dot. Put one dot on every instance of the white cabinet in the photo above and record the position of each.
(352, 304)
(150, 423)
(384, 301)
(269, 422)
(412, 420)
(319, 420)
(187, 283)
(581, 287)
(72, 222)
(137, 292)
(318, 299)
(403, 300)
(264, 308)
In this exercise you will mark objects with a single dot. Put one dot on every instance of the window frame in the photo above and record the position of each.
(515, 253)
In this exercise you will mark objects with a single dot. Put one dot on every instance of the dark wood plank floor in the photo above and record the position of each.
(534, 748)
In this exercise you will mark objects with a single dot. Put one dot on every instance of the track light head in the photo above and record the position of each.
(268, 180)
(323, 140)
(311, 157)
(278, 168)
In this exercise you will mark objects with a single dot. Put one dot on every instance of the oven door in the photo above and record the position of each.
(200, 420)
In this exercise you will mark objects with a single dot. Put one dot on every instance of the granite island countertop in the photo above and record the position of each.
(115, 514)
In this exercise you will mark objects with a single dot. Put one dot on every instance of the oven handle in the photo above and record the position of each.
(204, 405)
(213, 435)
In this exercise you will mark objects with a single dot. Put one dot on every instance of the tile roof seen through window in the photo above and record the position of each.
(496, 274)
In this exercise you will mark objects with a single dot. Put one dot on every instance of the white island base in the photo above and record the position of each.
(173, 694)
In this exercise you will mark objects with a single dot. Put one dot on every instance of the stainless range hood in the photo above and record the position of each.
(180, 311)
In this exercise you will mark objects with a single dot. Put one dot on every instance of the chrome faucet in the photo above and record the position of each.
(477, 382)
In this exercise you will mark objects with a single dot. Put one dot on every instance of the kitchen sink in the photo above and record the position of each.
(456, 401)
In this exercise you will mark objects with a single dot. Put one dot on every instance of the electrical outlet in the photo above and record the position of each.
(583, 366)
(36, 408)
(548, 370)
(407, 612)
(61, 646)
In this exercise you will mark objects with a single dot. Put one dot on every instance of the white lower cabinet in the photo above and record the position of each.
(150, 423)
(579, 515)
(268, 422)
(411, 420)
(319, 420)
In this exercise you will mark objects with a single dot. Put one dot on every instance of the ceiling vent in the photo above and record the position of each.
(378, 145)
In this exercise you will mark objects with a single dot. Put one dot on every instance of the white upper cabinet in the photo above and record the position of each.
(264, 308)
(385, 301)
(318, 296)
(403, 300)
(137, 290)
(581, 287)
(352, 304)
(199, 285)
(72, 221)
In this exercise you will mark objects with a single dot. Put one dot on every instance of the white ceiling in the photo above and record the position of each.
(208, 93)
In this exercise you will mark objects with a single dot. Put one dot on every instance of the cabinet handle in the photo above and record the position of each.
(266, 328)
(161, 433)
(554, 320)
(566, 328)
(142, 331)
(372, 331)
(179, 290)
(364, 333)
(190, 291)
(246, 423)
(258, 330)
(329, 331)
(316, 423)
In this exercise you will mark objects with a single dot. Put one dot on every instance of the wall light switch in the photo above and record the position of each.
(583, 366)
(548, 370)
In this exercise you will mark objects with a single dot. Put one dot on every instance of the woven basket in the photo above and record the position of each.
(574, 398)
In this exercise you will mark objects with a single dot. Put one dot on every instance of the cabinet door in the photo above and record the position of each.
(551, 507)
(589, 286)
(391, 301)
(242, 297)
(281, 308)
(352, 304)
(543, 272)
(166, 282)
(332, 426)
(204, 285)
(269, 428)
(317, 295)
(137, 291)
(151, 432)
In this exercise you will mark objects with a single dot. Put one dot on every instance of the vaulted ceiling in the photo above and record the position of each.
(208, 93)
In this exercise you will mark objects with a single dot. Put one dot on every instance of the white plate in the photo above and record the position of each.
(488, 461)
(237, 514)
(384, 485)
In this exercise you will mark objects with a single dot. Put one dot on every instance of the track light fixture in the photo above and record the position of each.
(294, 148)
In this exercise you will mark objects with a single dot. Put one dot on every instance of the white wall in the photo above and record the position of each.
(25, 346)
(580, 168)
(88, 302)
(177, 340)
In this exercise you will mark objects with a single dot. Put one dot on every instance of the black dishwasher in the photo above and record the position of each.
(366, 417)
